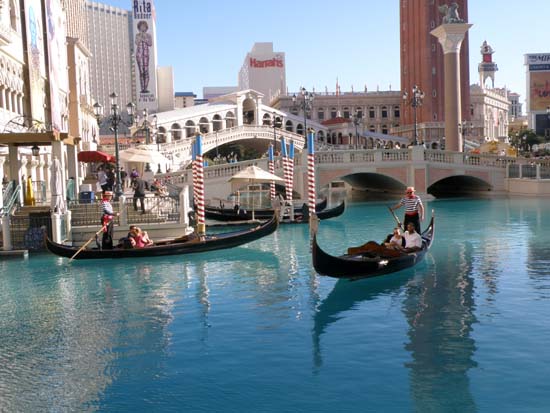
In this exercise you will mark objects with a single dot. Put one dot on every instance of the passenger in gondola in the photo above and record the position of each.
(141, 238)
(395, 240)
(128, 241)
(413, 240)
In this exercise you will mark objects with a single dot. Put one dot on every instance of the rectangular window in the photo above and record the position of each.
(371, 113)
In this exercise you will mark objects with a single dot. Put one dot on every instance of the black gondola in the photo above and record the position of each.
(178, 246)
(357, 266)
(233, 214)
(332, 212)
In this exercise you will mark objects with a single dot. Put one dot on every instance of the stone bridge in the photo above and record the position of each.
(180, 151)
(435, 172)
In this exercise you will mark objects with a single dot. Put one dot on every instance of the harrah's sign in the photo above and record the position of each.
(275, 62)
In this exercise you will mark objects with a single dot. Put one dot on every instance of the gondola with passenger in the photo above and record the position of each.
(177, 246)
(369, 262)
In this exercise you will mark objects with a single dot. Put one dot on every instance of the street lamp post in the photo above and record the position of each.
(465, 128)
(115, 119)
(276, 124)
(415, 101)
(147, 126)
(306, 104)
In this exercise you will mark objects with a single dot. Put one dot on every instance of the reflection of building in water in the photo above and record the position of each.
(440, 313)
(65, 343)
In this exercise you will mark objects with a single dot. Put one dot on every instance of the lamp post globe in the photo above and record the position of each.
(416, 98)
(305, 103)
(115, 119)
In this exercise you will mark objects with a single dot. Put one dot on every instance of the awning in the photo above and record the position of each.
(95, 156)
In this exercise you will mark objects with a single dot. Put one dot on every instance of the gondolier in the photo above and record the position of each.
(414, 210)
(107, 218)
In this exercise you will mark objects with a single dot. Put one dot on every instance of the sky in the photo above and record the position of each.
(354, 41)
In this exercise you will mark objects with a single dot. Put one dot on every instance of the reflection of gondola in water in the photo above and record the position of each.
(344, 297)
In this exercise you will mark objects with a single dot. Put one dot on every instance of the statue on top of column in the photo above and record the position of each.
(450, 13)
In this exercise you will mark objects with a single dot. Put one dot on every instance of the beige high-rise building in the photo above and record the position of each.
(77, 22)
(111, 69)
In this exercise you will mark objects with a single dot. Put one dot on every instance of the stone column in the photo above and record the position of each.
(2, 159)
(72, 167)
(450, 35)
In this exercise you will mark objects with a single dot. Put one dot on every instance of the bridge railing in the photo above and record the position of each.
(531, 170)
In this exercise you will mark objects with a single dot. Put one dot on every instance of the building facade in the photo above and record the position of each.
(264, 70)
(422, 65)
(184, 99)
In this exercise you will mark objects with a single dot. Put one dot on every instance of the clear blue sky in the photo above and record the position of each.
(356, 40)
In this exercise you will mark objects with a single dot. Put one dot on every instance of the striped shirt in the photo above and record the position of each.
(412, 205)
(107, 208)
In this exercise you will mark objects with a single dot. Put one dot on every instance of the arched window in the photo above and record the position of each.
(175, 131)
(190, 129)
(13, 15)
(289, 126)
(230, 120)
(300, 129)
(372, 112)
(266, 120)
(384, 112)
(217, 123)
(204, 125)
(161, 134)
(321, 114)
(385, 129)
(333, 113)
(359, 113)
(396, 112)
(346, 112)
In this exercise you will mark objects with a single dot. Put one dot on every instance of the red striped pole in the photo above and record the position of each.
(291, 167)
(200, 187)
(312, 196)
(271, 168)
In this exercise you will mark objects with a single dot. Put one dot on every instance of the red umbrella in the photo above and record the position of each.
(95, 156)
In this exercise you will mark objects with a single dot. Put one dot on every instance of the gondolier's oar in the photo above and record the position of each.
(86, 244)
(396, 219)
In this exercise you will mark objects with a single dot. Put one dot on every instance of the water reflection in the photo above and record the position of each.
(345, 296)
(52, 353)
(440, 313)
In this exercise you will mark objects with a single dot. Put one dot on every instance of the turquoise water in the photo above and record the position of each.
(254, 329)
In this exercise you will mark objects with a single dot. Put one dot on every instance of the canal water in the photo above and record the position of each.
(254, 329)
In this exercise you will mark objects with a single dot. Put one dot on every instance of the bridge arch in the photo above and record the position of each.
(459, 185)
